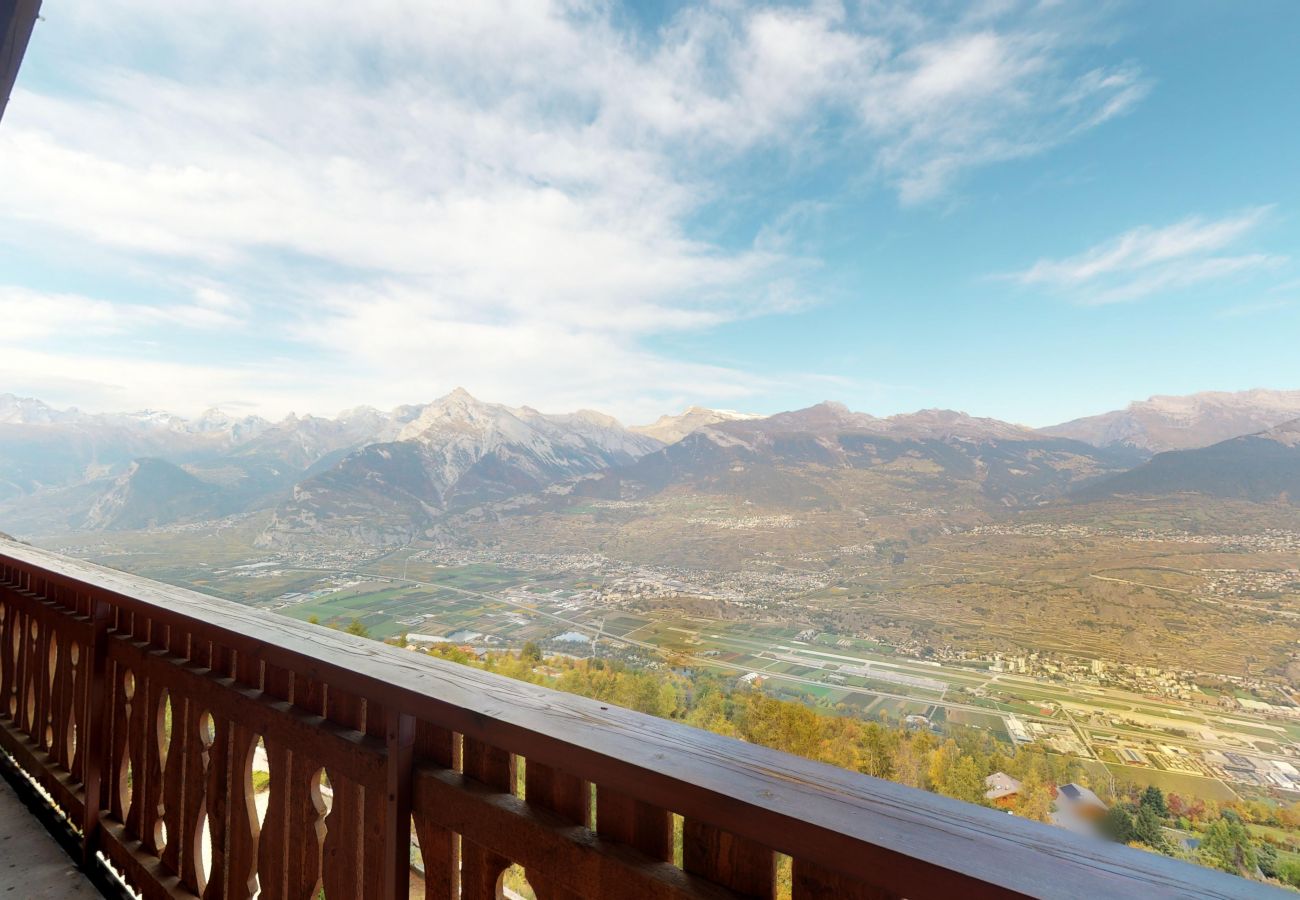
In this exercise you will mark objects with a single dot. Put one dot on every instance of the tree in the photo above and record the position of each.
(1035, 798)
(1118, 825)
(1227, 846)
(907, 764)
(1154, 799)
(965, 782)
(1268, 861)
(356, 627)
(531, 652)
(1147, 829)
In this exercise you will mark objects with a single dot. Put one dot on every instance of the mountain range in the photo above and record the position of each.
(1262, 467)
(1185, 423)
(381, 478)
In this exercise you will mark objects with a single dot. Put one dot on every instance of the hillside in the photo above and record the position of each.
(153, 492)
(1261, 468)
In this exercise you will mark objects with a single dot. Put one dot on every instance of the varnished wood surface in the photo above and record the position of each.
(899, 840)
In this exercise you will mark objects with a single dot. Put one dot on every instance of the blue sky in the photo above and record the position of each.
(1028, 210)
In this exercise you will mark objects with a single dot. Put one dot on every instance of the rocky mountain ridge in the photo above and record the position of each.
(1163, 423)
(370, 475)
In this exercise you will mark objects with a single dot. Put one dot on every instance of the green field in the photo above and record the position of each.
(1174, 782)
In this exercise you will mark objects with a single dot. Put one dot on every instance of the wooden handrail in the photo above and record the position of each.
(137, 706)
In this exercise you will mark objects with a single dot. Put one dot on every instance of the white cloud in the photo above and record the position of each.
(1148, 259)
(502, 193)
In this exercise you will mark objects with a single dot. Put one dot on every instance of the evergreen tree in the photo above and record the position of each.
(1227, 846)
(1146, 827)
(1154, 799)
(1118, 825)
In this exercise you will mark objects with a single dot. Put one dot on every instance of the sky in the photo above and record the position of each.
(1027, 210)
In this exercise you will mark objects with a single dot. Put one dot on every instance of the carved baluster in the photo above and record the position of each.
(96, 747)
(810, 882)
(7, 614)
(22, 717)
(568, 796)
(735, 862)
(273, 845)
(180, 743)
(119, 736)
(193, 763)
(74, 709)
(140, 718)
(44, 680)
(244, 830)
(374, 844)
(306, 811)
(156, 712)
(59, 681)
(343, 859)
(215, 733)
(439, 847)
(480, 868)
(399, 774)
(636, 823)
(56, 682)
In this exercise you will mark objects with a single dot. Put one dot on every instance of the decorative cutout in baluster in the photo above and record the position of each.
(515, 879)
(125, 792)
(51, 675)
(159, 749)
(76, 690)
(32, 676)
(12, 647)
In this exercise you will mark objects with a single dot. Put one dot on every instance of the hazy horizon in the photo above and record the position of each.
(234, 409)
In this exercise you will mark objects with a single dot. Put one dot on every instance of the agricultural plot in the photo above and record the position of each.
(1173, 782)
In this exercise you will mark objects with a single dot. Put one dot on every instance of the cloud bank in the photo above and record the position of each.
(390, 198)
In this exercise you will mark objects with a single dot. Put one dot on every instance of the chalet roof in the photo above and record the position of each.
(1077, 795)
(1000, 785)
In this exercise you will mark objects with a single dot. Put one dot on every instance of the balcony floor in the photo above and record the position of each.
(32, 864)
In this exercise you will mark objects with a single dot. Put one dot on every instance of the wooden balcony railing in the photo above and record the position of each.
(139, 707)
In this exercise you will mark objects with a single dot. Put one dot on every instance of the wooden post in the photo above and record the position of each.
(96, 750)
(397, 819)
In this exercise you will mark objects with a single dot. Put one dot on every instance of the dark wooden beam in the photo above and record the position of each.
(17, 17)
